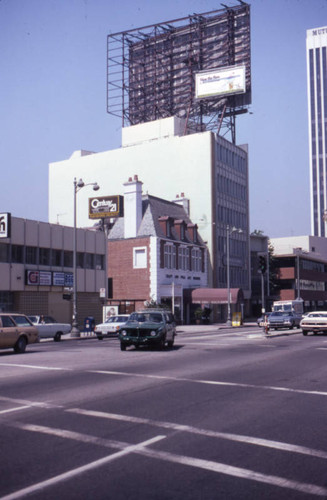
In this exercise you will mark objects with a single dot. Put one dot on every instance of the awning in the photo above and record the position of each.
(217, 296)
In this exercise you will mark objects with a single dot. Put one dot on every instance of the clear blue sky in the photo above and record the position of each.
(53, 97)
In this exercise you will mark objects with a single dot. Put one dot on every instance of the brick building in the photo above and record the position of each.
(154, 254)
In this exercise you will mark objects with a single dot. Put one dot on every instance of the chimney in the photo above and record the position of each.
(183, 202)
(132, 207)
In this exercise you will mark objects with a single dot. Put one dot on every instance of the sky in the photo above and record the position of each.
(53, 97)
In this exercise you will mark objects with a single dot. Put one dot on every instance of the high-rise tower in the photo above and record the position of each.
(317, 114)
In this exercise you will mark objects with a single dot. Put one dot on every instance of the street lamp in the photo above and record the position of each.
(230, 230)
(77, 187)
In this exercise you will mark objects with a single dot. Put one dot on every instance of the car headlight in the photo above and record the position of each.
(153, 333)
(124, 333)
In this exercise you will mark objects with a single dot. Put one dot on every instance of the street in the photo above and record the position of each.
(224, 414)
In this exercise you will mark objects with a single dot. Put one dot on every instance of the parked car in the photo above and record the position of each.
(48, 327)
(111, 326)
(149, 327)
(261, 320)
(16, 331)
(283, 319)
(315, 322)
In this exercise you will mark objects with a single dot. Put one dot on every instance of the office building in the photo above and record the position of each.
(317, 114)
(209, 170)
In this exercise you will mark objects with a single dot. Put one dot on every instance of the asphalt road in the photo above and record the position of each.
(225, 414)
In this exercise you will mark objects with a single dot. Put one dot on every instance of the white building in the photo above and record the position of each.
(313, 246)
(317, 113)
(208, 169)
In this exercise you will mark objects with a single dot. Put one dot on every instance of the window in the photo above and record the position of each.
(44, 256)
(170, 256)
(31, 255)
(196, 259)
(99, 260)
(139, 258)
(3, 252)
(183, 258)
(56, 257)
(80, 260)
(68, 258)
(17, 254)
(89, 261)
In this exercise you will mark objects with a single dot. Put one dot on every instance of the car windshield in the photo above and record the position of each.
(143, 317)
(318, 315)
(22, 321)
(116, 319)
(33, 319)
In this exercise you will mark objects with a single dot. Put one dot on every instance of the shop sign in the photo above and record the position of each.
(106, 206)
(49, 278)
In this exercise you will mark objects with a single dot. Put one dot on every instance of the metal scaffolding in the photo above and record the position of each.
(151, 70)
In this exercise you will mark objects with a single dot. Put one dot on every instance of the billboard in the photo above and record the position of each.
(151, 71)
(220, 82)
(106, 206)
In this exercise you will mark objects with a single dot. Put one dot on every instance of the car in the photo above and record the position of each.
(48, 327)
(110, 326)
(260, 321)
(315, 321)
(149, 327)
(283, 319)
(16, 331)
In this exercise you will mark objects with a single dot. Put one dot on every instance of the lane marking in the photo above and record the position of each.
(30, 404)
(278, 445)
(2, 412)
(141, 449)
(34, 367)
(210, 382)
(81, 470)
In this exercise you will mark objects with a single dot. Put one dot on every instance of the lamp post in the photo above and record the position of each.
(77, 187)
(230, 230)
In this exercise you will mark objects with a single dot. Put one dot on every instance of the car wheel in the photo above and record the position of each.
(162, 343)
(100, 337)
(304, 332)
(122, 347)
(57, 337)
(20, 345)
(170, 343)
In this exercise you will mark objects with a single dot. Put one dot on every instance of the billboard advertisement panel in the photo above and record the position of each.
(220, 82)
(106, 206)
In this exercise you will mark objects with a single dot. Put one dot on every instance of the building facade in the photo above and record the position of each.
(316, 46)
(211, 171)
(301, 270)
(155, 254)
(36, 269)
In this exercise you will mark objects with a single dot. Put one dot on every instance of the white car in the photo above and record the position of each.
(315, 322)
(49, 328)
(110, 326)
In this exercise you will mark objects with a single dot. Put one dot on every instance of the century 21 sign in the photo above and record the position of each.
(106, 206)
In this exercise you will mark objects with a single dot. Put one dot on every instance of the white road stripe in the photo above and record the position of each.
(14, 409)
(34, 367)
(81, 470)
(204, 432)
(211, 382)
(209, 465)
(29, 404)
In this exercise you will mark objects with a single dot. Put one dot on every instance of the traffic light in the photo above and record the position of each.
(262, 264)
